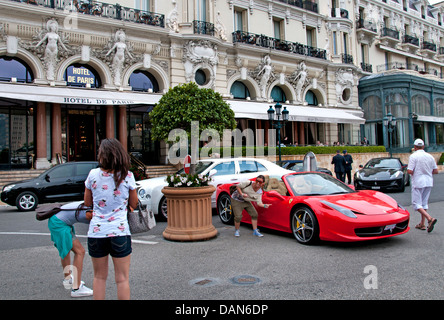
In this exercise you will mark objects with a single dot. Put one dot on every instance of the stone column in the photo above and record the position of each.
(123, 131)
(41, 162)
(109, 122)
(56, 137)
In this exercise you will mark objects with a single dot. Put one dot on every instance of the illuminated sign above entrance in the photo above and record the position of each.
(77, 75)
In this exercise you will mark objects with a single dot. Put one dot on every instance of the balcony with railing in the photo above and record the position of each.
(277, 44)
(101, 9)
(428, 46)
(203, 27)
(408, 39)
(366, 25)
(366, 67)
(389, 37)
(391, 33)
(347, 58)
(304, 4)
(408, 66)
(410, 43)
(339, 13)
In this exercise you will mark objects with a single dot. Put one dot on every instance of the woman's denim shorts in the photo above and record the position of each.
(117, 247)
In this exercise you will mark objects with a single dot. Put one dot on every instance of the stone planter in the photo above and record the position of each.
(189, 213)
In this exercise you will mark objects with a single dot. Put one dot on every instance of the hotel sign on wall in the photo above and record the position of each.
(80, 76)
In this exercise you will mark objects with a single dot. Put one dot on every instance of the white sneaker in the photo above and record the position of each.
(67, 282)
(82, 291)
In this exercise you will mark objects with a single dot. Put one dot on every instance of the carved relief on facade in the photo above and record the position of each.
(203, 55)
(344, 85)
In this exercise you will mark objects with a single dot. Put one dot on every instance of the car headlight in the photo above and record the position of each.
(7, 188)
(396, 175)
(141, 193)
(344, 211)
(358, 175)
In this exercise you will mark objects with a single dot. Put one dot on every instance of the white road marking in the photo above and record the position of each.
(78, 236)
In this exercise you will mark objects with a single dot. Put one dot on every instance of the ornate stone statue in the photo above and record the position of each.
(264, 74)
(119, 57)
(52, 40)
(301, 78)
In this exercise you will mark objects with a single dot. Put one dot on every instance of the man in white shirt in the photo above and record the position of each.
(421, 167)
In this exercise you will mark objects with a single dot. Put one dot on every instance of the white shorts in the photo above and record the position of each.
(420, 198)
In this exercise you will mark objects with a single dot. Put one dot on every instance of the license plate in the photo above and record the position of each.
(376, 188)
(390, 227)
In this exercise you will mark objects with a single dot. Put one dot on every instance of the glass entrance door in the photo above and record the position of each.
(16, 134)
(81, 127)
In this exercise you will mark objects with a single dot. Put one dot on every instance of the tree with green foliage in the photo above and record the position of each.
(186, 104)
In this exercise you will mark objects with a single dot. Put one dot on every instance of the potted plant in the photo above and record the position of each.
(189, 208)
(189, 195)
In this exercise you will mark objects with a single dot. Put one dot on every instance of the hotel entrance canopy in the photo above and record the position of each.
(257, 110)
(242, 109)
(66, 95)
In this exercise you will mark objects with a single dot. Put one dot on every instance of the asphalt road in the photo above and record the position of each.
(246, 269)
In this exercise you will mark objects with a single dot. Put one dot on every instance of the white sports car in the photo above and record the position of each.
(223, 170)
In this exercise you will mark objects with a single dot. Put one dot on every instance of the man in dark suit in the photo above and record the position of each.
(348, 166)
(339, 162)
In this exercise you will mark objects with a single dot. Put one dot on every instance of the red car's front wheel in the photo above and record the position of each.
(304, 225)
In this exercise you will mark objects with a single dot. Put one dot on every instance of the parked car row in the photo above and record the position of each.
(62, 183)
(65, 182)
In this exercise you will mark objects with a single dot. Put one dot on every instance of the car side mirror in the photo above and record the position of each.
(274, 194)
(361, 166)
(212, 172)
(47, 178)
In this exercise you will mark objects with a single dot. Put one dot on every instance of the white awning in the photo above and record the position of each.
(257, 110)
(69, 95)
(431, 119)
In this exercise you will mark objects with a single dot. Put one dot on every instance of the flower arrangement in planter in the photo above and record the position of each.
(187, 180)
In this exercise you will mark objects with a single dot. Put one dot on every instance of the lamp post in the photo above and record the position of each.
(389, 122)
(278, 123)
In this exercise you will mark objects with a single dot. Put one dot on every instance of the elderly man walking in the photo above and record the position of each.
(421, 167)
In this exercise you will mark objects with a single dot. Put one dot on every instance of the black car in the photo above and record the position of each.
(382, 174)
(298, 166)
(62, 183)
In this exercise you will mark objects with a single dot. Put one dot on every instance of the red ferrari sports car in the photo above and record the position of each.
(315, 206)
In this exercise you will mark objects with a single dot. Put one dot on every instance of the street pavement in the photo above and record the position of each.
(274, 267)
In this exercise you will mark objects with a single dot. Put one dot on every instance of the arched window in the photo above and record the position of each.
(278, 95)
(239, 90)
(79, 75)
(143, 81)
(15, 68)
(311, 99)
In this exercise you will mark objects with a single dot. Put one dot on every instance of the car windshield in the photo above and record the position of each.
(383, 163)
(315, 184)
(200, 167)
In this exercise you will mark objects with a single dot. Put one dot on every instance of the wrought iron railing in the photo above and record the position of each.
(203, 27)
(387, 32)
(347, 58)
(304, 4)
(366, 67)
(411, 40)
(428, 46)
(101, 9)
(342, 13)
(278, 44)
(366, 24)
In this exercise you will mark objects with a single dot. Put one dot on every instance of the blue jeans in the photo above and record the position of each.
(117, 247)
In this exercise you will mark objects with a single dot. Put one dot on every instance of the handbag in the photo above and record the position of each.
(141, 220)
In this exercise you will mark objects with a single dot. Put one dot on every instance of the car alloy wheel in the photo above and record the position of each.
(27, 201)
(225, 209)
(305, 225)
(163, 210)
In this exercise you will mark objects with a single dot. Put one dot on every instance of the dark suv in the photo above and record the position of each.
(62, 183)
